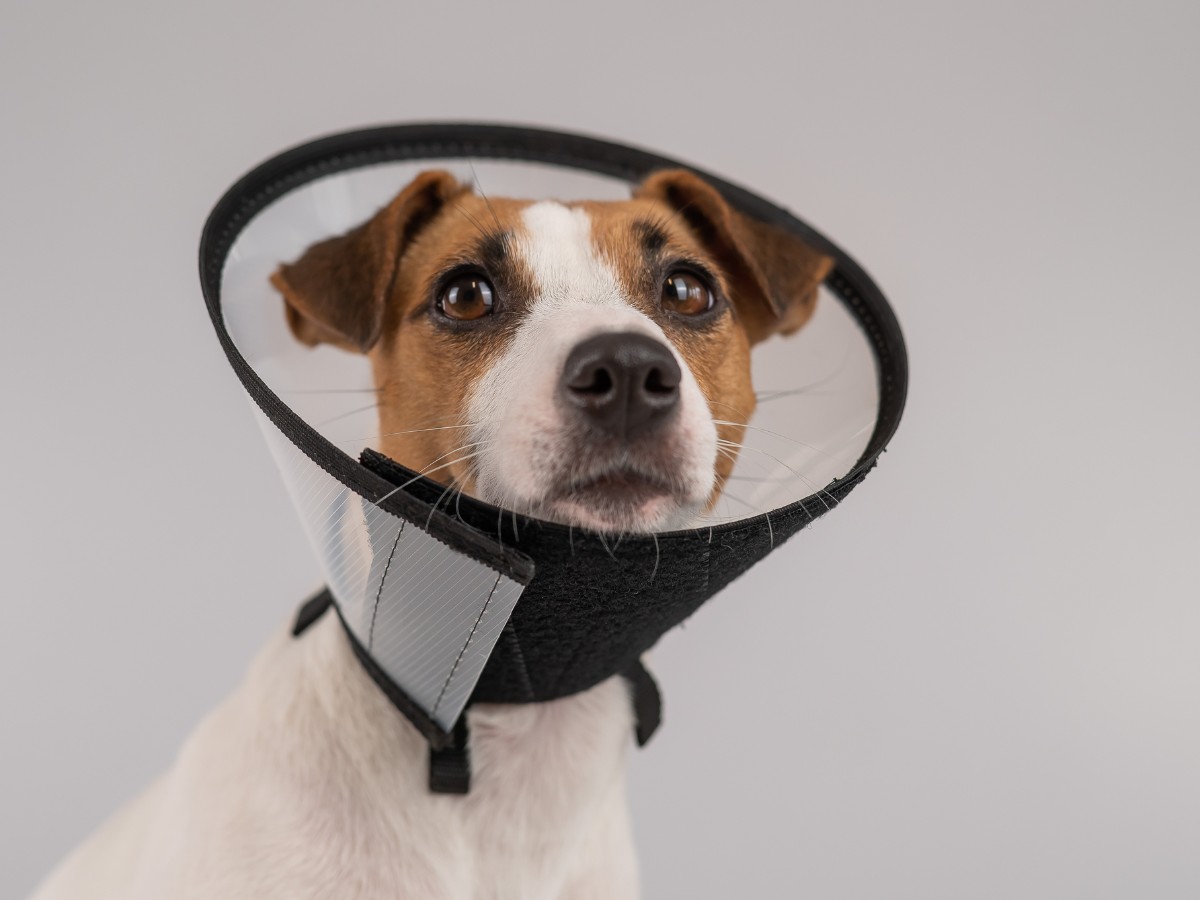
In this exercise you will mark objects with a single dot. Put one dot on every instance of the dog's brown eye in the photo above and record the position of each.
(687, 294)
(467, 297)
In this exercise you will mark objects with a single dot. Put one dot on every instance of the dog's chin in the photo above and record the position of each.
(619, 501)
(612, 492)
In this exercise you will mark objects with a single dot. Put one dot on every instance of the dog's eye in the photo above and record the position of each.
(467, 297)
(687, 294)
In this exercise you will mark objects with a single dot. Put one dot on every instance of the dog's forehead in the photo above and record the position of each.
(595, 251)
(555, 243)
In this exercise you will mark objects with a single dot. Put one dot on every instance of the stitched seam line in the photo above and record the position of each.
(466, 644)
(382, 579)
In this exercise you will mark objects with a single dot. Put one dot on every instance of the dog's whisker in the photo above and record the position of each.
(767, 396)
(458, 506)
(782, 437)
(418, 477)
(470, 218)
(677, 213)
(778, 479)
(817, 490)
(347, 414)
(737, 411)
(423, 430)
(450, 488)
(466, 446)
(446, 465)
(727, 453)
(604, 544)
(746, 503)
(479, 186)
(431, 468)
(378, 437)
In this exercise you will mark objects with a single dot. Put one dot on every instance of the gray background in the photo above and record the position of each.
(980, 678)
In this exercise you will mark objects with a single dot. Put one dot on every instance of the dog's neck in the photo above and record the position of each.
(545, 776)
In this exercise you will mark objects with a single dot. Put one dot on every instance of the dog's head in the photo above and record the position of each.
(587, 363)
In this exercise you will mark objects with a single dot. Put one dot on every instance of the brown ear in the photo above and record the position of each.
(337, 291)
(774, 274)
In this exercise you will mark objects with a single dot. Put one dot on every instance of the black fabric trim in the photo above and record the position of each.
(355, 149)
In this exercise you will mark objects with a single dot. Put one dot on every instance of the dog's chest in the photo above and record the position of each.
(547, 799)
(549, 757)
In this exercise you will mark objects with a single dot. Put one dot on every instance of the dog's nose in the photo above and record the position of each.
(624, 383)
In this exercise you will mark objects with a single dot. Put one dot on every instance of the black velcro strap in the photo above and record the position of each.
(312, 610)
(450, 767)
(647, 702)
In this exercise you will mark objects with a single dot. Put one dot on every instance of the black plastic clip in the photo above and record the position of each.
(647, 701)
(311, 611)
(450, 767)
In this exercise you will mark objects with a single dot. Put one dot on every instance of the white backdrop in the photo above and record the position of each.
(982, 674)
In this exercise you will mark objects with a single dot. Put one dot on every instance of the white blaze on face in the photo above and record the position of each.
(524, 428)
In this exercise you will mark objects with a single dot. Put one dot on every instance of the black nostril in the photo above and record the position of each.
(595, 380)
(623, 382)
(659, 382)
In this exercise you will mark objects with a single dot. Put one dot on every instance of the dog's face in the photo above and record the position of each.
(587, 363)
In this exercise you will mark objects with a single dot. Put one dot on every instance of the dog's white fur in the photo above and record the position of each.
(306, 782)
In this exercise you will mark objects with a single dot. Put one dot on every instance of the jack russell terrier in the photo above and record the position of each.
(586, 363)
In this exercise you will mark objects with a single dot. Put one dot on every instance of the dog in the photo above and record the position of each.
(586, 363)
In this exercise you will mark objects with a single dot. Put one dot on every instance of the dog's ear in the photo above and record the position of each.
(337, 291)
(774, 274)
